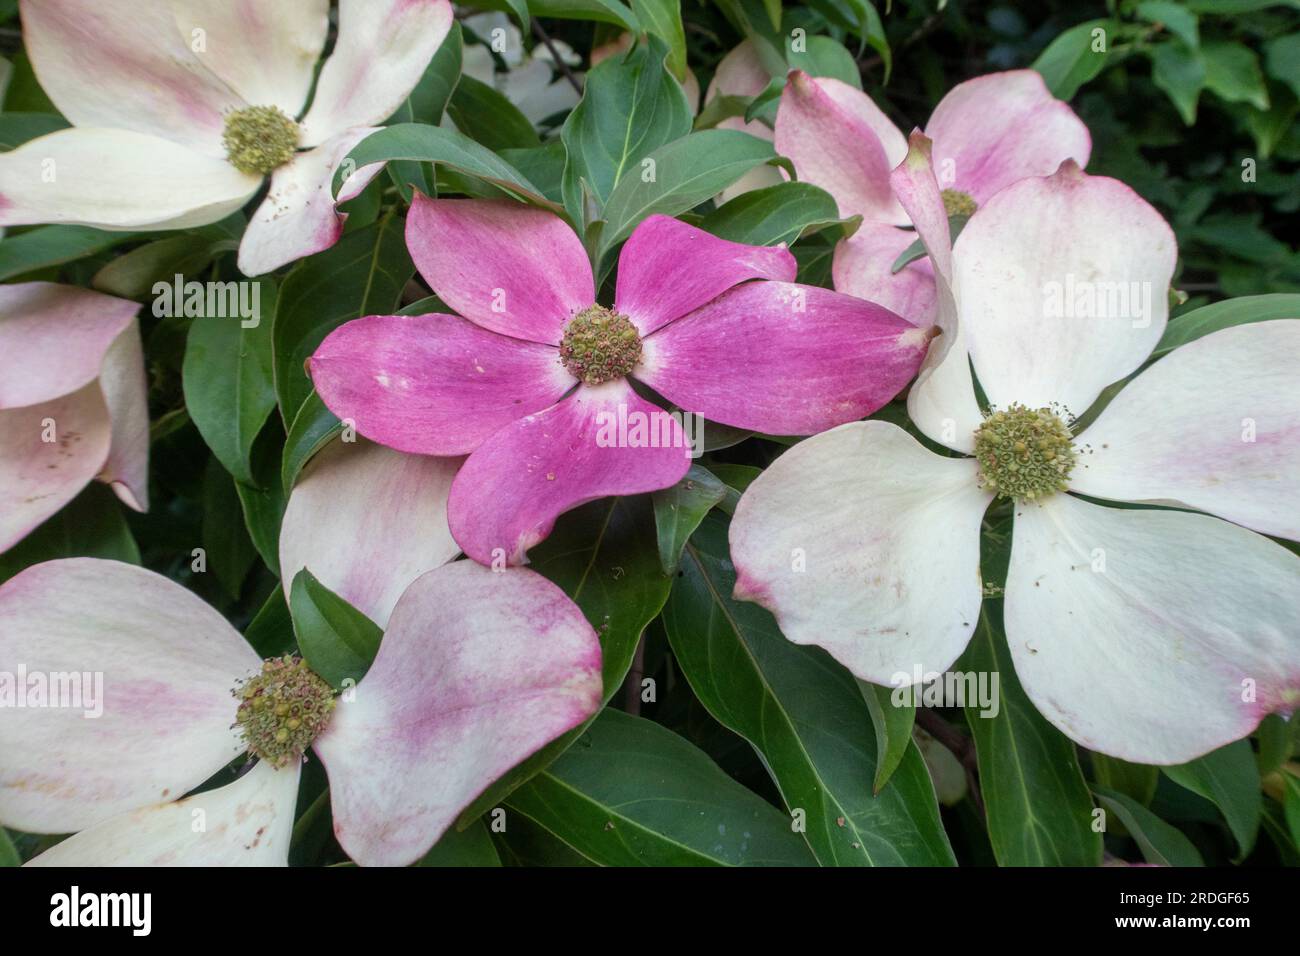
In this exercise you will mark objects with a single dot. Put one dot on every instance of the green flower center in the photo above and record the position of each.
(282, 710)
(958, 203)
(600, 345)
(259, 139)
(1024, 453)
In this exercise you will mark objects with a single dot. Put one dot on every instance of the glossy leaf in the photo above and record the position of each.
(680, 509)
(632, 793)
(775, 214)
(228, 376)
(893, 725)
(1228, 778)
(1161, 843)
(804, 715)
(1039, 809)
(337, 641)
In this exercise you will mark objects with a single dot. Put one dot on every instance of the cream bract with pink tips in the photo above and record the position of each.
(988, 133)
(532, 377)
(181, 131)
(476, 671)
(1155, 636)
(73, 404)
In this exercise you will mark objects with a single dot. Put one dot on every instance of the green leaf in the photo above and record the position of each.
(602, 11)
(893, 726)
(1190, 326)
(432, 144)
(8, 852)
(312, 429)
(19, 128)
(679, 511)
(1232, 72)
(685, 173)
(362, 275)
(1229, 779)
(825, 56)
(804, 715)
(543, 165)
(1131, 779)
(1074, 58)
(486, 116)
(1274, 736)
(270, 633)
(1177, 19)
(860, 18)
(1039, 809)
(1291, 806)
(228, 376)
(89, 526)
(633, 793)
(469, 847)
(47, 246)
(264, 501)
(230, 552)
(1180, 72)
(956, 223)
(604, 556)
(1282, 60)
(431, 95)
(1161, 843)
(135, 274)
(780, 213)
(663, 19)
(337, 641)
(630, 106)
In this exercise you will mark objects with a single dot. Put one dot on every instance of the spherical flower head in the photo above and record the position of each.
(259, 139)
(282, 710)
(600, 345)
(1024, 453)
(958, 203)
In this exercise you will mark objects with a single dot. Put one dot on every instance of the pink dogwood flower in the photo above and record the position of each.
(988, 132)
(181, 108)
(476, 671)
(1152, 635)
(73, 404)
(532, 376)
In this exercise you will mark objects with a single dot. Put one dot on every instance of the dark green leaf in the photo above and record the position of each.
(312, 429)
(1039, 809)
(679, 511)
(1180, 72)
(805, 716)
(1223, 315)
(19, 128)
(228, 376)
(631, 105)
(135, 274)
(229, 552)
(1161, 843)
(632, 793)
(337, 641)
(1232, 73)
(684, 173)
(432, 144)
(1228, 778)
(8, 852)
(893, 725)
(1132, 779)
(89, 526)
(469, 847)
(47, 246)
(780, 213)
(486, 116)
(1074, 58)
